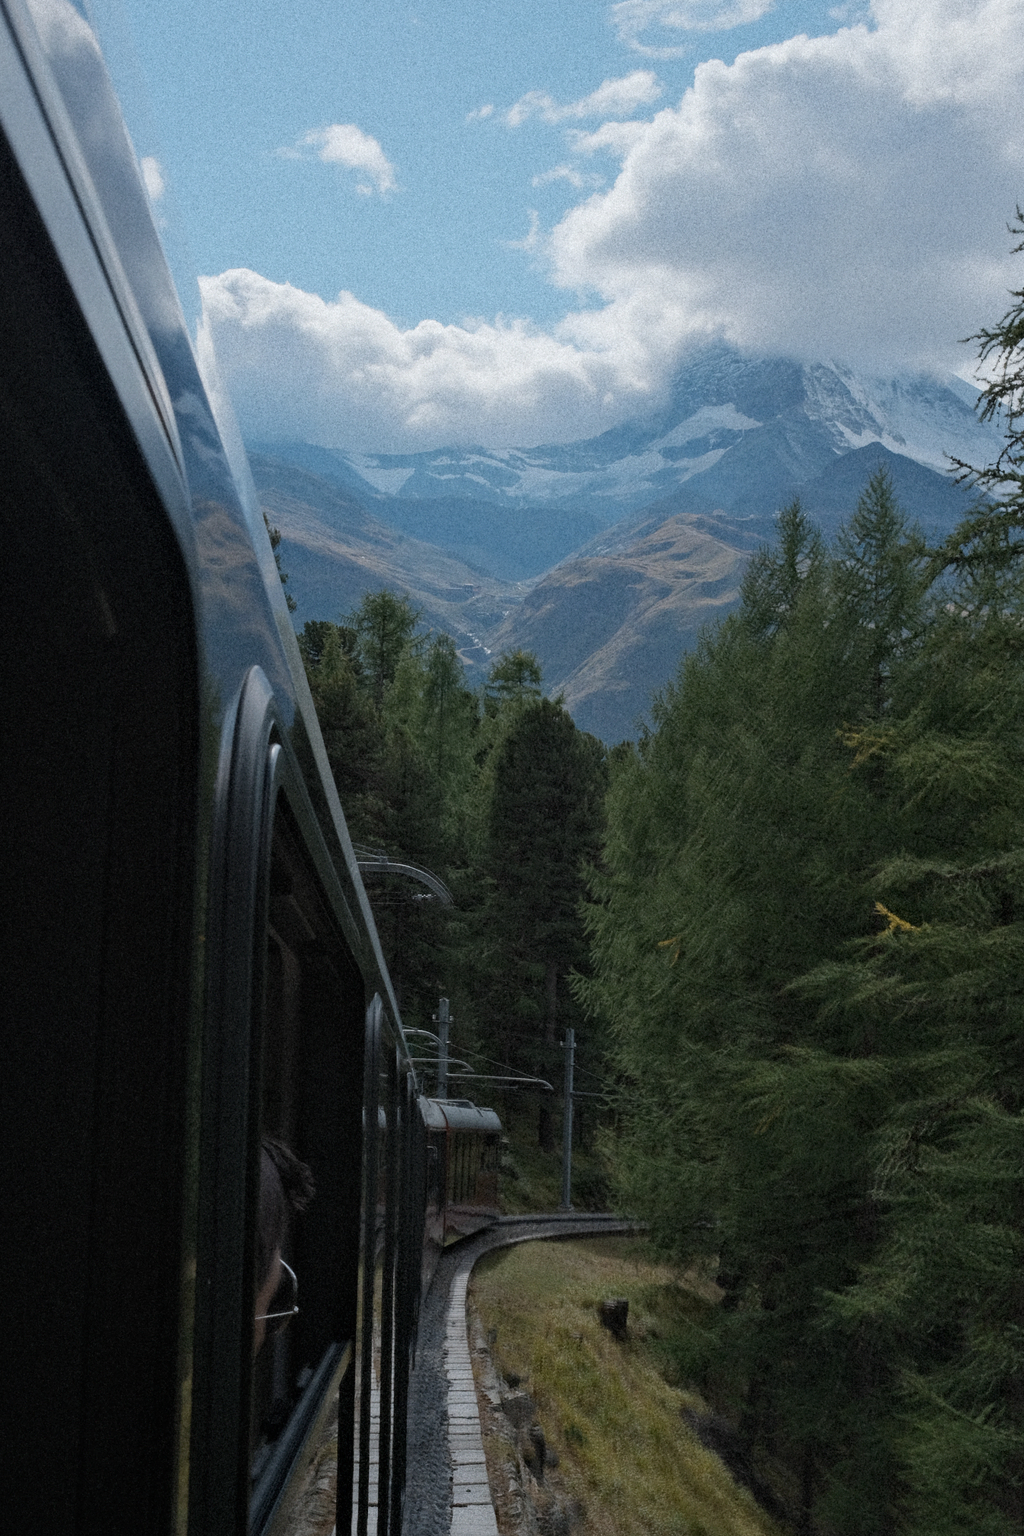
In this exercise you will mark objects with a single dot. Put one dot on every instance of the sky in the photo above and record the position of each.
(508, 222)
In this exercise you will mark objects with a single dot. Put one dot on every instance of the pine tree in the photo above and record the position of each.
(543, 824)
(385, 625)
(515, 676)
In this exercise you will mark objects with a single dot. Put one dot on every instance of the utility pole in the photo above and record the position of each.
(442, 1019)
(570, 1053)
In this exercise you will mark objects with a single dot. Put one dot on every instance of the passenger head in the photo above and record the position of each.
(286, 1185)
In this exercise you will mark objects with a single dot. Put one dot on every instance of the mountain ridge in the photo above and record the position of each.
(726, 415)
(579, 551)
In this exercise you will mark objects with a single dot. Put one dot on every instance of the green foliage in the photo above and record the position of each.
(808, 949)
(384, 624)
(1003, 397)
(513, 677)
(543, 822)
(395, 722)
(496, 793)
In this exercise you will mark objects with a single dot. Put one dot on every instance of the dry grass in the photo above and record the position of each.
(625, 1453)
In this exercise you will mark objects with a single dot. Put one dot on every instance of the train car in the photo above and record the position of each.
(463, 1153)
(191, 963)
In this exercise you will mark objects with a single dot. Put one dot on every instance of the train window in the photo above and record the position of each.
(293, 1054)
(311, 1104)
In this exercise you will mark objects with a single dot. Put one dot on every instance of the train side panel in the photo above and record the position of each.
(194, 962)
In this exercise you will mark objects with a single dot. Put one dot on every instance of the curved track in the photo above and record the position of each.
(447, 1491)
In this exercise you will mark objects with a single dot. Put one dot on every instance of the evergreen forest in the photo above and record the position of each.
(788, 927)
(808, 953)
(497, 794)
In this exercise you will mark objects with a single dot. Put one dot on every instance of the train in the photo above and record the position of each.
(191, 967)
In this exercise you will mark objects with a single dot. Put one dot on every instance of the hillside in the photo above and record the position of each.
(512, 541)
(334, 551)
(609, 627)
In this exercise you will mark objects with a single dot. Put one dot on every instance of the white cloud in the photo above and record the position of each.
(478, 114)
(345, 144)
(632, 18)
(153, 177)
(613, 138)
(837, 197)
(842, 195)
(613, 98)
(570, 174)
(345, 375)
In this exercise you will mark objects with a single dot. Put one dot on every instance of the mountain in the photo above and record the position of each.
(334, 551)
(932, 499)
(740, 435)
(513, 541)
(609, 627)
(610, 624)
(606, 556)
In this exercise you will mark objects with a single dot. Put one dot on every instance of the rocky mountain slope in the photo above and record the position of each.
(512, 541)
(610, 626)
(334, 551)
(610, 623)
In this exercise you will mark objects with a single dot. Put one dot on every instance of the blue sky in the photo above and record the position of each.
(531, 211)
(231, 85)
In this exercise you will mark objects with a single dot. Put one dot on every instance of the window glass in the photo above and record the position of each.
(311, 1103)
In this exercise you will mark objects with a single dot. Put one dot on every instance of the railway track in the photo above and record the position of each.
(447, 1489)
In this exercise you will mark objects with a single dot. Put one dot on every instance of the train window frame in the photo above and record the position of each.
(392, 1232)
(259, 787)
(309, 1371)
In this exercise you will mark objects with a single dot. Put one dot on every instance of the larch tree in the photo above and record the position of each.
(807, 948)
(543, 825)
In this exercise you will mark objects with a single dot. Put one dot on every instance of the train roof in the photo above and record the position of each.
(458, 1115)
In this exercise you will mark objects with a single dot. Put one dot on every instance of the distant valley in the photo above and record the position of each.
(606, 557)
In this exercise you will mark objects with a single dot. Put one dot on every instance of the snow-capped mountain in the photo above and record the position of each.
(737, 435)
(606, 556)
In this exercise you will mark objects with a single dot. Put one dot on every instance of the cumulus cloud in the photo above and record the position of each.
(841, 195)
(345, 144)
(345, 375)
(633, 18)
(152, 177)
(613, 98)
(835, 197)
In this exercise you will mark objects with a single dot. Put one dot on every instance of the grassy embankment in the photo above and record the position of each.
(610, 1409)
